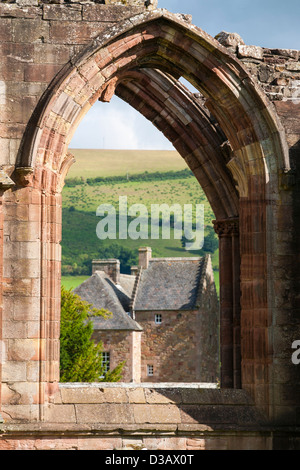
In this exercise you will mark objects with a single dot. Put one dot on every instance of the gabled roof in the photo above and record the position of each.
(170, 284)
(101, 292)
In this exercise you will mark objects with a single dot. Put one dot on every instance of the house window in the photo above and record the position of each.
(158, 319)
(106, 361)
(149, 370)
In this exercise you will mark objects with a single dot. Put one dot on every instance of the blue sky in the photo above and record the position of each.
(266, 23)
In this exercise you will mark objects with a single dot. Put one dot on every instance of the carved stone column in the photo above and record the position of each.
(5, 183)
(31, 293)
(1, 291)
(230, 341)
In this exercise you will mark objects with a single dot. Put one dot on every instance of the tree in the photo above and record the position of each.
(211, 242)
(80, 358)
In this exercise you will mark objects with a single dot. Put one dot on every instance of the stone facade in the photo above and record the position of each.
(183, 346)
(241, 139)
(174, 348)
(122, 346)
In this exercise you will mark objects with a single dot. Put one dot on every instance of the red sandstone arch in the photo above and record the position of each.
(158, 40)
(165, 44)
(179, 119)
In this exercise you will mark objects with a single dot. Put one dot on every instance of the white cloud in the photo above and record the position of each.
(116, 125)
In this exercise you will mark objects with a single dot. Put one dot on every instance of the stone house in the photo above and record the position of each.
(165, 321)
(120, 334)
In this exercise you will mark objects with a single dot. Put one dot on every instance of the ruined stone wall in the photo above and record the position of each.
(276, 70)
(278, 73)
(152, 417)
(39, 40)
(36, 40)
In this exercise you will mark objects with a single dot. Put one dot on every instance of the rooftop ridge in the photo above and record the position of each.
(205, 262)
(135, 289)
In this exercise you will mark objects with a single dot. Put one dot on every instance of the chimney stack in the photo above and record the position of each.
(134, 270)
(110, 266)
(145, 254)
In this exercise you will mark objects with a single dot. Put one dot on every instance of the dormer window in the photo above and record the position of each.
(158, 319)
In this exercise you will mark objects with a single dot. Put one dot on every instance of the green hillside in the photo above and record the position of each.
(82, 196)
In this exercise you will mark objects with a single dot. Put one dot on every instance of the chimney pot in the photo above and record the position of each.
(145, 254)
(110, 266)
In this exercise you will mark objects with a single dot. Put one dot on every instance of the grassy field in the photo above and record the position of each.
(71, 282)
(91, 163)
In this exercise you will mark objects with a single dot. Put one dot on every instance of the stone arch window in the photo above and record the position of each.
(230, 137)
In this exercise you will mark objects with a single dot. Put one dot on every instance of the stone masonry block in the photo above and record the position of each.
(166, 443)
(30, 31)
(25, 268)
(156, 414)
(26, 308)
(33, 371)
(23, 231)
(113, 14)
(254, 52)
(110, 443)
(60, 13)
(136, 395)
(13, 329)
(23, 287)
(41, 72)
(93, 394)
(114, 395)
(104, 413)
(6, 31)
(14, 371)
(13, 10)
(81, 395)
(21, 393)
(23, 349)
(163, 396)
(51, 54)
(70, 32)
(20, 412)
(60, 414)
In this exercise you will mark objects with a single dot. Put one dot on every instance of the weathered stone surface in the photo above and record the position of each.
(37, 40)
(252, 52)
(60, 13)
(232, 40)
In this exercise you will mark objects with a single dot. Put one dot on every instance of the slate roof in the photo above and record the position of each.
(100, 291)
(124, 290)
(170, 284)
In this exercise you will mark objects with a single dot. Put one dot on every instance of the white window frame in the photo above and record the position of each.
(158, 319)
(106, 360)
(150, 370)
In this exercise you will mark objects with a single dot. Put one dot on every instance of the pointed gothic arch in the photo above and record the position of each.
(235, 146)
